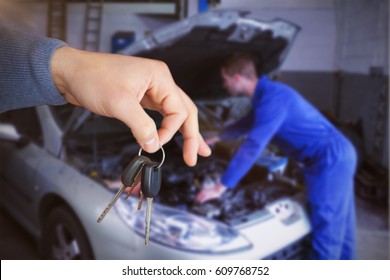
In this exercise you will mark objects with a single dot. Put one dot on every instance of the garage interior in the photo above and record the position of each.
(339, 62)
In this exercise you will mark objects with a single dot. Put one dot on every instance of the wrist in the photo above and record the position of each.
(61, 67)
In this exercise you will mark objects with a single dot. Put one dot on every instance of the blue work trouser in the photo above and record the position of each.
(330, 190)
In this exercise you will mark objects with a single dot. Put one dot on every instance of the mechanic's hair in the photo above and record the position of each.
(240, 63)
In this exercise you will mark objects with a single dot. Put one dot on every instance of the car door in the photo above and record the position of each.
(19, 163)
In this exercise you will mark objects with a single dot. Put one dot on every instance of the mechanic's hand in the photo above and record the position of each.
(120, 86)
(210, 193)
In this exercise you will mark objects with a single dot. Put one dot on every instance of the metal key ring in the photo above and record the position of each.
(163, 158)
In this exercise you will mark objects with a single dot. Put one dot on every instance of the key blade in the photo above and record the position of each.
(112, 202)
(148, 217)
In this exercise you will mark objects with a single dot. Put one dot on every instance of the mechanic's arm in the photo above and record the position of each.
(269, 115)
(233, 131)
(239, 128)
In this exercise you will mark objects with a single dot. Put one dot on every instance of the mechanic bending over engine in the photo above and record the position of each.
(36, 71)
(282, 115)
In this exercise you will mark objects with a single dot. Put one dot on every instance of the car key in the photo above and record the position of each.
(150, 186)
(128, 178)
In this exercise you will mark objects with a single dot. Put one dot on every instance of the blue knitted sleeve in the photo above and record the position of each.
(25, 76)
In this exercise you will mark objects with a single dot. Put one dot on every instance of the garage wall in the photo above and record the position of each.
(364, 62)
(364, 34)
(28, 17)
(116, 17)
(31, 17)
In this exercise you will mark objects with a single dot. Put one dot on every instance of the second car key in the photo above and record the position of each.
(150, 186)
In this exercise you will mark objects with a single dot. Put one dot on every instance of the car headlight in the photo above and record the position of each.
(182, 230)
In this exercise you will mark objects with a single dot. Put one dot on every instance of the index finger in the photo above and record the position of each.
(190, 131)
(175, 113)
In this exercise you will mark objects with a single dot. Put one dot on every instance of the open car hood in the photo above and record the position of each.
(194, 48)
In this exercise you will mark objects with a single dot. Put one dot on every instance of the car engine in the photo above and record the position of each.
(180, 183)
(103, 156)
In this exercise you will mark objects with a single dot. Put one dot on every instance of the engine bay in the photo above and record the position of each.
(103, 147)
(180, 183)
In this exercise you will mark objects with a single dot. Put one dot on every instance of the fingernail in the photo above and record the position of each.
(151, 145)
(150, 142)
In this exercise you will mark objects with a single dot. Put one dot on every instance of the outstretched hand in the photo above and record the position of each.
(121, 87)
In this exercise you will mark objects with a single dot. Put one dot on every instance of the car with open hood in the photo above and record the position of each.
(62, 165)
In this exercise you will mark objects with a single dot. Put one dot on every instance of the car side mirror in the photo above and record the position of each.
(9, 133)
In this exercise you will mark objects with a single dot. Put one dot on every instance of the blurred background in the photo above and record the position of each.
(339, 61)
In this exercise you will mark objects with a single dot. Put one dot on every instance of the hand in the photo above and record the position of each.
(120, 87)
(207, 194)
(134, 190)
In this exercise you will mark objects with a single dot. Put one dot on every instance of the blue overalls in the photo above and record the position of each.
(280, 114)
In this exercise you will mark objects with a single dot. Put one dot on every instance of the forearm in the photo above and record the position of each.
(26, 78)
(268, 121)
(242, 162)
(238, 129)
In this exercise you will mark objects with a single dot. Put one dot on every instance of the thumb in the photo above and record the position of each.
(142, 126)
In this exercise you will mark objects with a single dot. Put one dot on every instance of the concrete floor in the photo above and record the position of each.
(372, 230)
(372, 235)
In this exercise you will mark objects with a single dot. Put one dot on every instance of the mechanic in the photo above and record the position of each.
(36, 71)
(282, 115)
